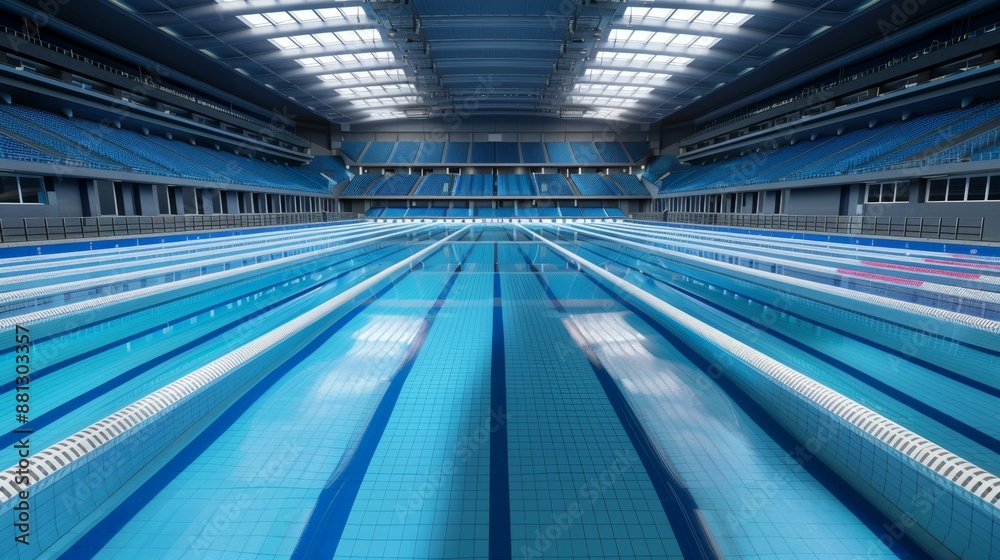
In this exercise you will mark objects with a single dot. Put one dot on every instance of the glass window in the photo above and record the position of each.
(994, 193)
(937, 189)
(888, 192)
(902, 192)
(873, 193)
(956, 189)
(106, 199)
(8, 190)
(32, 190)
(977, 188)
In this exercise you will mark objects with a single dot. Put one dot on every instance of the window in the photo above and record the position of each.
(961, 189)
(21, 190)
(888, 192)
(956, 189)
(937, 190)
(165, 199)
(977, 188)
(106, 199)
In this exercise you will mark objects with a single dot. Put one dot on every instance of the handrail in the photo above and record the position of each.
(18, 230)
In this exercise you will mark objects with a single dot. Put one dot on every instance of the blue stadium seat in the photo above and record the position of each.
(394, 212)
(436, 185)
(482, 152)
(586, 153)
(551, 184)
(353, 149)
(514, 185)
(474, 185)
(13, 149)
(430, 152)
(594, 212)
(360, 184)
(405, 152)
(398, 184)
(378, 152)
(637, 150)
(457, 152)
(593, 184)
(612, 152)
(559, 152)
(533, 152)
(630, 185)
(507, 152)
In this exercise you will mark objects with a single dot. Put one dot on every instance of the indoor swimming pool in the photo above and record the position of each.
(509, 390)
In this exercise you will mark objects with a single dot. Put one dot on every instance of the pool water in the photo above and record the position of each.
(495, 397)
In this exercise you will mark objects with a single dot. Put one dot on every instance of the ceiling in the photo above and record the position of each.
(355, 61)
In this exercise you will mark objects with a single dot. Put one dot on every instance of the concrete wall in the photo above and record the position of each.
(818, 201)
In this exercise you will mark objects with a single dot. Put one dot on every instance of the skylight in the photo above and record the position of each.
(364, 77)
(639, 61)
(647, 16)
(612, 91)
(657, 38)
(623, 77)
(639, 54)
(386, 115)
(595, 101)
(377, 91)
(370, 36)
(386, 101)
(272, 19)
(339, 60)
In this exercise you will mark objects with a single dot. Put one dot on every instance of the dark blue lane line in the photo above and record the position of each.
(932, 412)
(48, 370)
(326, 523)
(877, 522)
(500, 547)
(166, 302)
(94, 540)
(688, 526)
(970, 345)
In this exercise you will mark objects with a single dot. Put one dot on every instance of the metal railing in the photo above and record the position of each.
(969, 229)
(647, 216)
(14, 230)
